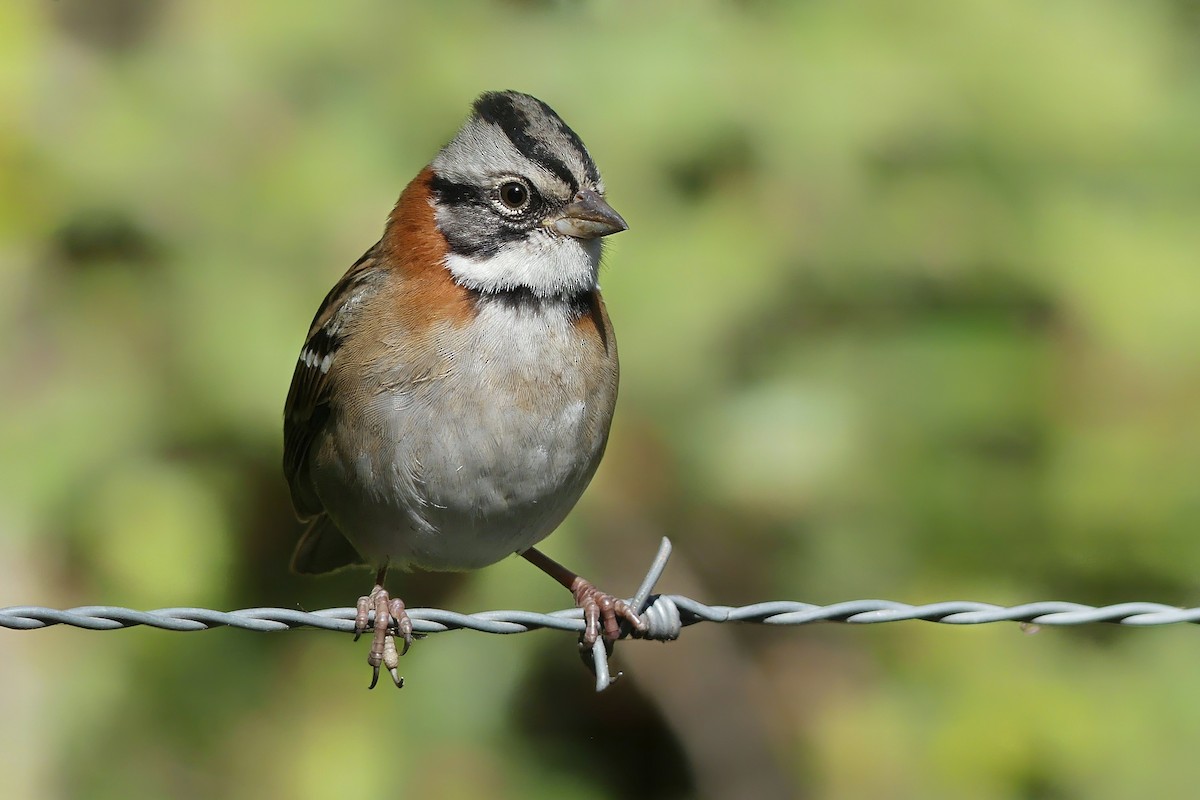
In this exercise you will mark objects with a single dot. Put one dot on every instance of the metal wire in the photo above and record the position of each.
(684, 609)
(665, 614)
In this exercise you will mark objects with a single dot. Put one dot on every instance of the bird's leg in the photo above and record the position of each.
(599, 608)
(391, 620)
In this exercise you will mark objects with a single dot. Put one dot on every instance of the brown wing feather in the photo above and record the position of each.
(412, 247)
(307, 406)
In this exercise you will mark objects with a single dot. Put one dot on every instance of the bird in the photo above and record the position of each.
(453, 397)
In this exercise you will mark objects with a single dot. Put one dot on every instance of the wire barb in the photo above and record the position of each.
(601, 648)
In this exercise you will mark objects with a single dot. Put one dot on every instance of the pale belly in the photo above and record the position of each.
(459, 473)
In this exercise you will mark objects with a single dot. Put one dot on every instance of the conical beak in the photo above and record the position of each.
(588, 217)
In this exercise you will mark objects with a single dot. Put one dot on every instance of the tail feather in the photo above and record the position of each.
(323, 548)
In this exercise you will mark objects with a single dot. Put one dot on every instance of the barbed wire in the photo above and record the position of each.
(664, 614)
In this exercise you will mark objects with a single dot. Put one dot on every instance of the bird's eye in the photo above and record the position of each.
(514, 195)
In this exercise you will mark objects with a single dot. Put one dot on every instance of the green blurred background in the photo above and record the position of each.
(907, 309)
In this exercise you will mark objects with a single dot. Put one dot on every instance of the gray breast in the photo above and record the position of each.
(489, 457)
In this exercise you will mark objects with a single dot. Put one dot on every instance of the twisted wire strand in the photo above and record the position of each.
(679, 612)
(664, 614)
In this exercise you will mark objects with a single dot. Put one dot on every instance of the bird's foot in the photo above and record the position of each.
(391, 620)
(602, 610)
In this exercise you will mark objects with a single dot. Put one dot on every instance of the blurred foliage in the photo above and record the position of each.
(907, 308)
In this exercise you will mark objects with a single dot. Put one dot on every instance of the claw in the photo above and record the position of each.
(391, 620)
(602, 608)
(362, 607)
(404, 628)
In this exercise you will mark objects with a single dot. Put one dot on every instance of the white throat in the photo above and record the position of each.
(545, 263)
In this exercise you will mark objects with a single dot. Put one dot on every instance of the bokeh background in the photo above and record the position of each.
(908, 308)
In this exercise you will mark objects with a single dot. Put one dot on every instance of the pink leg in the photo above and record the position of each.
(599, 608)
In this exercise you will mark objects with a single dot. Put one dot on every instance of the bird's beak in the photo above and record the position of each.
(587, 217)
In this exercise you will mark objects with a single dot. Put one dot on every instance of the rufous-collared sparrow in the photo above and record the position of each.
(454, 394)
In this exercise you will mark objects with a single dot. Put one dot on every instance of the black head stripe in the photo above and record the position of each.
(447, 192)
(474, 230)
(502, 110)
(589, 166)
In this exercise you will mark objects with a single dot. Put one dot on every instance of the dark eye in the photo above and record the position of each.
(514, 195)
